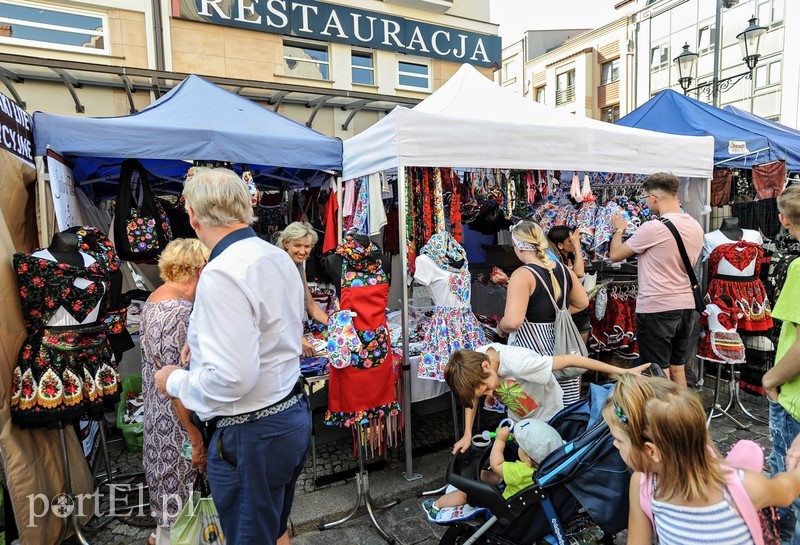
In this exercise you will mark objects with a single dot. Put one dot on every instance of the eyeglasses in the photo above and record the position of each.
(654, 197)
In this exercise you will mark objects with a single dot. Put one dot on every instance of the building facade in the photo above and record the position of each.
(662, 27)
(334, 66)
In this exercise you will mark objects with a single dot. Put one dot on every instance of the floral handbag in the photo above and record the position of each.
(141, 227)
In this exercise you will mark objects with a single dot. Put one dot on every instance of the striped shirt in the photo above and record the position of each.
(717, 524)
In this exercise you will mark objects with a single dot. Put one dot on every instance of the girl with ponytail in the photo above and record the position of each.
(529, 318)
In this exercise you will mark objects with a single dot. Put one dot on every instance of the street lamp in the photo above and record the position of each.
(749, 41)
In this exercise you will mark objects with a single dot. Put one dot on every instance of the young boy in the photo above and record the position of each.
(520, 377)
(535, 440)
(782, 382)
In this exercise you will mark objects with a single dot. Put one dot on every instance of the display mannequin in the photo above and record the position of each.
(64, 248)
(730, 228)
(333, 263)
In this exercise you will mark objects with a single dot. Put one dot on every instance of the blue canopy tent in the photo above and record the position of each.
(196, 120)
(738, 141)
(758, 119)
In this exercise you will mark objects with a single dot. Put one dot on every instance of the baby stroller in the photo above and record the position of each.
(586, 472)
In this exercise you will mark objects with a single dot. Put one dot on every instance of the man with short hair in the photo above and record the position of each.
(244, 374)
(665, 307)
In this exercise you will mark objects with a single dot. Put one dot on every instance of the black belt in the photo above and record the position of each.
(730, 278)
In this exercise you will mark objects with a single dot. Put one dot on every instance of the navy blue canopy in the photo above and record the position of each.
(758, 119)
(736, 138)
(196, 120)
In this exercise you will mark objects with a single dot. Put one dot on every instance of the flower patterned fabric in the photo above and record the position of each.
(452, 326)
(343, 341)
(443, 249)
(365, 389)
(66, 371)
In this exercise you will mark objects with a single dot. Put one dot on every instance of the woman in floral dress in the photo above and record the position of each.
(165, 319)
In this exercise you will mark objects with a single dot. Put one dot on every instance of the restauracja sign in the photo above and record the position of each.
(334, 23)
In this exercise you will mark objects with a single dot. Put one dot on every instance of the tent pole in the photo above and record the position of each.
(401, 212)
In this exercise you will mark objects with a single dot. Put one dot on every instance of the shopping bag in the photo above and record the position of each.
(197, 523)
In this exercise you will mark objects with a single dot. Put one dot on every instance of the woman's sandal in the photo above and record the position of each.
(152, 539)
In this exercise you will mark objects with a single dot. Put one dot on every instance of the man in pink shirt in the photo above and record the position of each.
(665, 306)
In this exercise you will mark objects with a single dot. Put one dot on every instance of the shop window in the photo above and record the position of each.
(363, 63)
(52, 26)
(659, 57)
(610, 114)
(306, 60)
(609, 72)
(706, 37)
(767, 74)
(770, 12)
(565, 87)
(415, 75)
(539, 94)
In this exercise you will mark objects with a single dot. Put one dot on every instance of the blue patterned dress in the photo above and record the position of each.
(169, 475)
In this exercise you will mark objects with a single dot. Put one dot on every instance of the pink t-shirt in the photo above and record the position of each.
(663, 283)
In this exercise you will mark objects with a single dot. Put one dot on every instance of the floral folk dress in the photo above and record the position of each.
(169, 475)
(65, 368)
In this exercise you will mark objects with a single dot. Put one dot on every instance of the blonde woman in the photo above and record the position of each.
(529, 317)
(165, 319)
(298, 239)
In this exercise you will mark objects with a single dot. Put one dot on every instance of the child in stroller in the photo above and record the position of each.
(535, 440)
(582, 484)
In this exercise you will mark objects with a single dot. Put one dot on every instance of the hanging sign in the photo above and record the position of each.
(335, 23)
(62, 186)
(737, 147)
(16, 130)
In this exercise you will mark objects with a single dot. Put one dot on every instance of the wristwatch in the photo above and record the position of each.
(618, 231)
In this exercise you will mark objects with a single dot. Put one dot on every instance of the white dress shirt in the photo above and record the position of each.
(244, 331)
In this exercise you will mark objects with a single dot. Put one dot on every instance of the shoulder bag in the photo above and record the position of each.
(699, 303)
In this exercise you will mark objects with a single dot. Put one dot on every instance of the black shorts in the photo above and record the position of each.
(664, 336)
(582, 321)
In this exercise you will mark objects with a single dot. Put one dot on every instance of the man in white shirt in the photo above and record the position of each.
(244, 348)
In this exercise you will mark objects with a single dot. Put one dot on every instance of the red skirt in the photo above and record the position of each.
(749, 297)
(722, 347)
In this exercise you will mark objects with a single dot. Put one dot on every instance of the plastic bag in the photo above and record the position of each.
(197, 523)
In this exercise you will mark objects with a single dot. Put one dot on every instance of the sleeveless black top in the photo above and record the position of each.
(540, 308)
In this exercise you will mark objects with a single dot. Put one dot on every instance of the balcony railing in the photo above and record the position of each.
(565, 95)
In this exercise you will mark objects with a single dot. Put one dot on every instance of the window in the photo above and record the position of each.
(770, 12)
(305, 60)
(706, 37)
(609, 72)
(363, 67)
(412, 74)
(539, 94)
(610, 114)
(659, 57)
(52, 26)
(565, 88)
(767, 74)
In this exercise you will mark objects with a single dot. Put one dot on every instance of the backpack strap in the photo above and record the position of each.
(549, 294)
(646, 497)
(743, 503)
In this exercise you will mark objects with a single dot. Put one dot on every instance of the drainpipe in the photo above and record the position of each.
(158, 34)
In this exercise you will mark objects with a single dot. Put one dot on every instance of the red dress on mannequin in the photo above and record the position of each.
(366, 388)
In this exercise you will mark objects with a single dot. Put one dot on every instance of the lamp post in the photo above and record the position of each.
(749, 41)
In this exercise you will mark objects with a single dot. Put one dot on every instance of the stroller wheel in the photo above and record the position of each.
(456, 535)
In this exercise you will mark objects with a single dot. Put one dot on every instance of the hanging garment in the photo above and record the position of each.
(769, 179)
(377, 213)
(759, 215)
(443, 268)
(366, 388)
(65, 368)
(721, 187)
(734, 269)
(721, 343)
(331, 223)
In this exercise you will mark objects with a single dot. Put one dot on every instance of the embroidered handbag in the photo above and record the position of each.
(141, 227)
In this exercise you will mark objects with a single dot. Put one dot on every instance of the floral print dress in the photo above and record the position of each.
(65, 368)
(169, 475)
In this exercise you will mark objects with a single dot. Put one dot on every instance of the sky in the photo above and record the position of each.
(517, 16)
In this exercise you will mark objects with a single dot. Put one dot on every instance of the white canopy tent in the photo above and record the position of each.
(471, 122)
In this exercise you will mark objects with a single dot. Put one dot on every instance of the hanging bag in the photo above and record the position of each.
(198, 521)
(568, 338)
(699, 303)
(141, 227)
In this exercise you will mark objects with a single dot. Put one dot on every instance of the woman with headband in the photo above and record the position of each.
(529, 318)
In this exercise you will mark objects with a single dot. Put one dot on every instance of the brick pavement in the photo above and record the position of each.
(405, 521)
